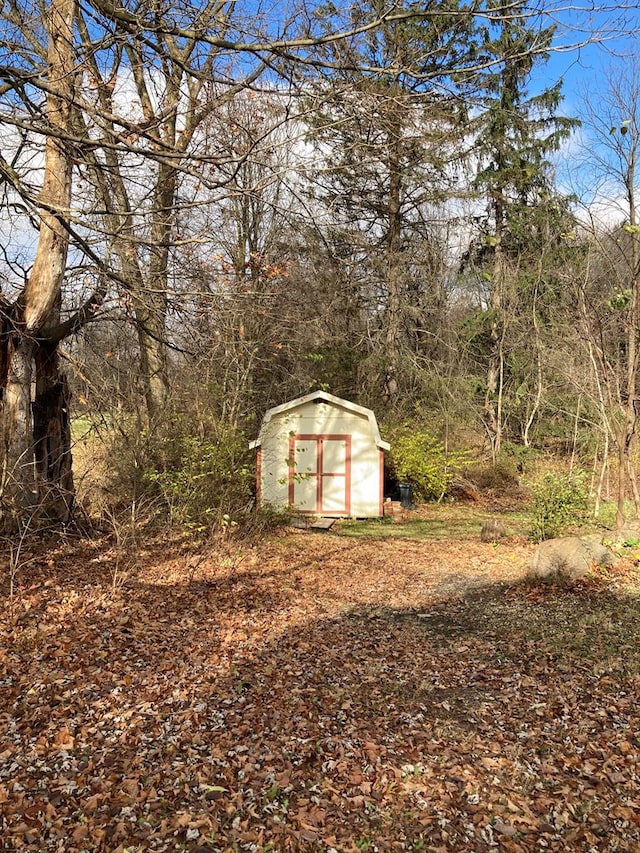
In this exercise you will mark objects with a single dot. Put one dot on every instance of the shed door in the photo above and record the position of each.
(320, 474)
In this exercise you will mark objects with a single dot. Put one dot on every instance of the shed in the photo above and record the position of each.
(321, 455)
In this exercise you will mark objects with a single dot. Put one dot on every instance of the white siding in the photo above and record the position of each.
(323, 419)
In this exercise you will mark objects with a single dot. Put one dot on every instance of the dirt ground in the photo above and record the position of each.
(316, 692)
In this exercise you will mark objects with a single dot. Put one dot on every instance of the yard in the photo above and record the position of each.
(318, 692)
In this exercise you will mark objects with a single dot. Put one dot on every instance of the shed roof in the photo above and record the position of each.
(328, 398)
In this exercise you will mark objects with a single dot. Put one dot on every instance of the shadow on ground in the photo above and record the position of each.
(259, 707)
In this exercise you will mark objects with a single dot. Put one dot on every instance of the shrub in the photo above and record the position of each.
(264, 521)
(204, 477)
(418, 457)
(500, 478)
(560, 503)
(518, 457)
(197, 469)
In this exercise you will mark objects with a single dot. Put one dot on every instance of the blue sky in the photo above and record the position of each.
(591, 44)
(587, 44)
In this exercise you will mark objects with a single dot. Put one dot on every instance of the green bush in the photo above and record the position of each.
(560, 504)
(203, 477)
(518, 457)
(418, 457)
(198, 469)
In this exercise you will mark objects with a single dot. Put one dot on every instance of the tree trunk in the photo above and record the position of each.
(537, 399)
(35, 433)
(495, 369)
(52, 435)
(151, 312)
(42, 290)
(392, 314)
(631, 399)
(18, 475)
(151, 326)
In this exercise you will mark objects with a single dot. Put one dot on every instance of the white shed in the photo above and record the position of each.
(321, 455)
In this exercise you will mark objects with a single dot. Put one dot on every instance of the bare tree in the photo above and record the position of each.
(238, 240)
(141, 113)
(35, 431)
(612, 300)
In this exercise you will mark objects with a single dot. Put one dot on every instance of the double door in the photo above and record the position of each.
(320, 474)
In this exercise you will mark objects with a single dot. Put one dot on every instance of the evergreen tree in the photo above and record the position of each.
(391, 139)
(515, 134)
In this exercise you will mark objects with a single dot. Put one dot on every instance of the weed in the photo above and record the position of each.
(560, 503)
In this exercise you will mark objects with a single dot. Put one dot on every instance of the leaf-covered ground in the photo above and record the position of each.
(317, 693)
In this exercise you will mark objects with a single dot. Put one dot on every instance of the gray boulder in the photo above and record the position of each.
(627, 536)
(568, 558)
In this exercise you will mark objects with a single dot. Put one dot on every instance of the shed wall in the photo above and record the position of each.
(321, 419)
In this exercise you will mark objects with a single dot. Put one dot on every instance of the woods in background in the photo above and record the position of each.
(208, 210)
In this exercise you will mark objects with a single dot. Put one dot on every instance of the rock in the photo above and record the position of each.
(493, 530)
(626, 536)
(630, 529)
(568, 558)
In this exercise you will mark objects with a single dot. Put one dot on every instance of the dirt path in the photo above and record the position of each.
(399, 573)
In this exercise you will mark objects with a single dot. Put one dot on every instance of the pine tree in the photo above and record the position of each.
(515, 133)
(391, 140)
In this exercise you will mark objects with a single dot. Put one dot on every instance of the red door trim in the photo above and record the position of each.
(347, 477)
(292, 468)
(319, 458)
(319, 473)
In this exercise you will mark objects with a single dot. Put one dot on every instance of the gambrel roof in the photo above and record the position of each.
(327, 398)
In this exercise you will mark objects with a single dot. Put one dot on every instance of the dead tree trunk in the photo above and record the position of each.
(52, 434)
(36, 448)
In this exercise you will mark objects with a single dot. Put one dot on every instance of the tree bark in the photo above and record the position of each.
(631, 398)
(52, 435)
(42, 290)
(495, 369)
(18, 475)
(35, 433)
(151, 310)
(394, 238)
